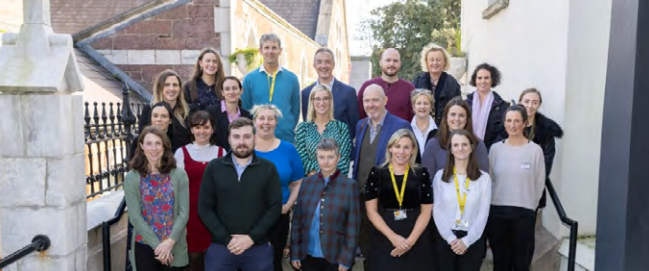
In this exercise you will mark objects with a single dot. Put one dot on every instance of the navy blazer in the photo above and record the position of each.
(345, 105)
(391, 124)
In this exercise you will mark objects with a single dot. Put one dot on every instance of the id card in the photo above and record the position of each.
(526, 166)
(400, 215)
(462, 223)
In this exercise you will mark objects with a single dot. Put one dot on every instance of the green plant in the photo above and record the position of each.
(251, 56)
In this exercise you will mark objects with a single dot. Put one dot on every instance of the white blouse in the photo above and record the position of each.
(446, 209)
(197, 153)
(422, 135)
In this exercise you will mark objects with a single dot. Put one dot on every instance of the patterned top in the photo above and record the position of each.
(307, 138)
(206, 95)
(157, 204)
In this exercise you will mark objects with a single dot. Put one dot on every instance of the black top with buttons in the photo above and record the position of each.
(418, 188)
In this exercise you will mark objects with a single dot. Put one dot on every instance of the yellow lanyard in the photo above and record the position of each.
(403, 185)
(271, 86)
(460, 200)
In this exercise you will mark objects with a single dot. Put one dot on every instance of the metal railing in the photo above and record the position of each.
(40, 243)
(105, 234)
(570, 223)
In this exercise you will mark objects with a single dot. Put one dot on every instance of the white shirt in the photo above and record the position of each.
(446, 209)
(197, 153)
(422, 135)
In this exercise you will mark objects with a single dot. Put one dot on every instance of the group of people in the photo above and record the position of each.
(223, 176)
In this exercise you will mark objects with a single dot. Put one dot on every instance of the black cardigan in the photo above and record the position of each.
(447, 89)
(222, 123)
(495, 122)
(177, 133)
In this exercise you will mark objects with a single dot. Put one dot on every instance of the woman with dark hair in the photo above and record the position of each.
(487, 107)
(227, 110)
(166, 88)
(435, 61)
(456, 117)
(161, 117)
(193, 158)
(203, 89)
(518, 174)
(462, 200)
(157, 197)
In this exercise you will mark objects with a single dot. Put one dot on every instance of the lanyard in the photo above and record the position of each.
(460, 200)
(271, 86)
(403, 185)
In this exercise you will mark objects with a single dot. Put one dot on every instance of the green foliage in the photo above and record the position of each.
(410, 25)
(251, 55)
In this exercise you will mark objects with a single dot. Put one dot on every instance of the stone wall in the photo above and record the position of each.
(71, 16)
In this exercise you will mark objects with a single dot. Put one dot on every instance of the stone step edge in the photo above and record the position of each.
(585, 257)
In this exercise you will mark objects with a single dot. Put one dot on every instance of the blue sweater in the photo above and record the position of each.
(286, 96)
(288, 164)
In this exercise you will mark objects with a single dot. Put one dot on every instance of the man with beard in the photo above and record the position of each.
(397, 90)
(239, 202)
(345, 107)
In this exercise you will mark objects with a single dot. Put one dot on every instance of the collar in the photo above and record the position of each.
(382, 119)
(262, 69)
(228, 159)
(330, 85)
(224, 107)
(431, 123)
(331, 177)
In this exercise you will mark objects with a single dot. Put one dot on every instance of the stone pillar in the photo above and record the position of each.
(622, 216)
(42, 188)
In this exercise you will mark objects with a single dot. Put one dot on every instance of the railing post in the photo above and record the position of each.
(128, 118)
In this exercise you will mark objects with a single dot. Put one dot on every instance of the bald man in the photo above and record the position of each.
(397, 90)
(372, 136)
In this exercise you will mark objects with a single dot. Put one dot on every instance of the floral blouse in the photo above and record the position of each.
(157, 204)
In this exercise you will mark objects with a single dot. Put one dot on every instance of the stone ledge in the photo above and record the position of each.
(102, 209)
(585, 257)
(494, 8)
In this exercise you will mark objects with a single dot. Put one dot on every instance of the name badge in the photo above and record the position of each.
(526, 166)
(462, 223)
(400, 215)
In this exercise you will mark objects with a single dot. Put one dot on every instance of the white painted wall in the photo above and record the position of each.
(559, 47)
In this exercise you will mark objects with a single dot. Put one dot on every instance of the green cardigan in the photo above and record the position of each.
(133, 198)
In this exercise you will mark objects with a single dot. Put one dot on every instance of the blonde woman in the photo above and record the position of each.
(399, 203)
(320, 123)
(435, 61)
(204, 88)
(423, 123)
(166, 88)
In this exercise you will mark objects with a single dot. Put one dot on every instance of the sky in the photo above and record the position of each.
(357, 11)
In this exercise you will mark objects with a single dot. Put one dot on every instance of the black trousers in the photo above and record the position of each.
(145, 260)
(365, 232)
(278, 239)
(447, 260)
(317, 264)
(511, 236)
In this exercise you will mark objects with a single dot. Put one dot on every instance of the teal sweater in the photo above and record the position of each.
(181, 215)
(286, 96)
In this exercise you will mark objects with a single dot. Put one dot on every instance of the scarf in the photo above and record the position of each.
(481, 113)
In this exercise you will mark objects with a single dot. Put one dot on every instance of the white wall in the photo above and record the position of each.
(558, 47)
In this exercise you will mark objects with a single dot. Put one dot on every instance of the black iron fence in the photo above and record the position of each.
(109, 129)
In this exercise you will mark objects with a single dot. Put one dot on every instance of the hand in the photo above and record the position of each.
(286, 252)
(165, 261)
(163, 251)
(239, 244)
(296, 264)
(286, 208)
(342, 268)
(397, 252)
(458, 247)
(399, 242)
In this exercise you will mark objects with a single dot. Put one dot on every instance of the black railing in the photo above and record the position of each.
(572, 224)
(40, 243)
(105, 234)
(108, 133)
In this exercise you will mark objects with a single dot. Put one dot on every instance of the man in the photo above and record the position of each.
(345, 107)
(396, 89)
(372, 136)
(272, 84)
(239, 202)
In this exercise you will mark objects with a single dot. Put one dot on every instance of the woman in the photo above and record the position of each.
(456, 117)
(157, 198)
(320, 123)
(541, 130)
(166, 88)
(161, 118)
(518, 173)
(227, 110)
(487, 106)
(203, 89)
(435, 61)
(290, 169)
(399, 203)
(462, 200)
(337, 210)
(422, 123)
(193, 158)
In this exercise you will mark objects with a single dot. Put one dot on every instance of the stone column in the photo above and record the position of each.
(42, 188)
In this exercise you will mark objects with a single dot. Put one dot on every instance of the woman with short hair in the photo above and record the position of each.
(487, 107)
(423, 124)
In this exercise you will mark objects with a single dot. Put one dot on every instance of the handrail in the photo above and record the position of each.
(40, 243)
(105, 233)
(572, 224)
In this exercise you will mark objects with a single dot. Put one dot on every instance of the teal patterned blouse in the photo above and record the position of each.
(307, 138)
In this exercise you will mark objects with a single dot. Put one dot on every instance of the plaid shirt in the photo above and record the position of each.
(339, 218)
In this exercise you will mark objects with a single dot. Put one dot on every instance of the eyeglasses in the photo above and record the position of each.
(319, 99)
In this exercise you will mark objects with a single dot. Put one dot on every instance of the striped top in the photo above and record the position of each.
(307, 138)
